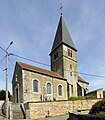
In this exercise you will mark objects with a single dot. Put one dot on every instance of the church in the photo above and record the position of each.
(33, 84)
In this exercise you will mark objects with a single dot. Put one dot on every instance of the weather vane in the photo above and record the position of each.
(61, 7)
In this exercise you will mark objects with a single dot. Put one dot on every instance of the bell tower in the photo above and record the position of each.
(63, 57)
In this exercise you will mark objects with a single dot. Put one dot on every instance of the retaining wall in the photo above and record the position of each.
(1, 103)
(37, 110)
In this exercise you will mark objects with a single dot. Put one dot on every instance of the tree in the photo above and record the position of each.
(3, 95)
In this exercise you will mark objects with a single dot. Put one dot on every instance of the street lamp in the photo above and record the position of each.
(7, 79)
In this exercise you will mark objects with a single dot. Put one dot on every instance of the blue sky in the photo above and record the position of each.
(31, 25)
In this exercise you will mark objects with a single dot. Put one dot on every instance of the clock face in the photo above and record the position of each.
(64, 48)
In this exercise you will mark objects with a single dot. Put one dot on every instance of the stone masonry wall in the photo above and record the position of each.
(1, 103)
(40, 109)
(30, 95)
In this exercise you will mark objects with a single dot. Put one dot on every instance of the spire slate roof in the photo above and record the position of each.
(62, 36)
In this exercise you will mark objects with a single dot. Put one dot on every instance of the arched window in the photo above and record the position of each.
(35, 86)
(48, 88)
(60, 90)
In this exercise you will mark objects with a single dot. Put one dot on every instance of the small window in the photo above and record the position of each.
(35, 86)
(70, 73)
(60, 90)
(69, 53)
(70, 66)
(72, 89)
(48, 88)
(55, 55)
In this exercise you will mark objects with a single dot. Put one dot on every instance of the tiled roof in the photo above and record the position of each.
(82, 80)
(40, 70)
(93, 91)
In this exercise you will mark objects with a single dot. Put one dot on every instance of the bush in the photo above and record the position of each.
(3, 95)
(98, 108)
(101, 114)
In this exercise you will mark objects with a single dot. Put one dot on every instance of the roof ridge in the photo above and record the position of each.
(82, 80)
(38, 69)
(95, 90)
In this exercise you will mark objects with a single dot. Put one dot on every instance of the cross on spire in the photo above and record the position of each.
(61, 7)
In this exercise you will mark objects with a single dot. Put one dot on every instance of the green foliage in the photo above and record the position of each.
(3, 95)
(73, 98)
(100, 114)
(81, 98)
(89, 97)
(98, 108)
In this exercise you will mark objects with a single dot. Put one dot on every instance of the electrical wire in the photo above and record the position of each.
(3, 49)
(10, 61)
(87, 74)
(28, 59)
(2, 59)
(93, 75)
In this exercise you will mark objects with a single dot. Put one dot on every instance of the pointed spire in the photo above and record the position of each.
(62, 36)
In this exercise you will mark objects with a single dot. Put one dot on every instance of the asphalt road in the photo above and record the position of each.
(63, 117)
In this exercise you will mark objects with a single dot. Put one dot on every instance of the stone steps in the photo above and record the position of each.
(17, 112)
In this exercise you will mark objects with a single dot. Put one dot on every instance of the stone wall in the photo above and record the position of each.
(30, 95)
(1, 103)
(37, 110)
(17, 85)
(77, 116)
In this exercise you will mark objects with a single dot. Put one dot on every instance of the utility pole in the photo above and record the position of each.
(6, 51)
(6, 84)
(7, 99)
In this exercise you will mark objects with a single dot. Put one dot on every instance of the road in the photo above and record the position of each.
(63, 117)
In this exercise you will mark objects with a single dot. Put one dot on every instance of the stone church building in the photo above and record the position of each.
(31, 84)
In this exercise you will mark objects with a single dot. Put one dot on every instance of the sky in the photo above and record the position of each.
(32, 24)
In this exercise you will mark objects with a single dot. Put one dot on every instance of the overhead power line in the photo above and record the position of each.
(93, 75)
(3, 49)
(2, 59)
(10, 61)
(28, 59)
(87, 74)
